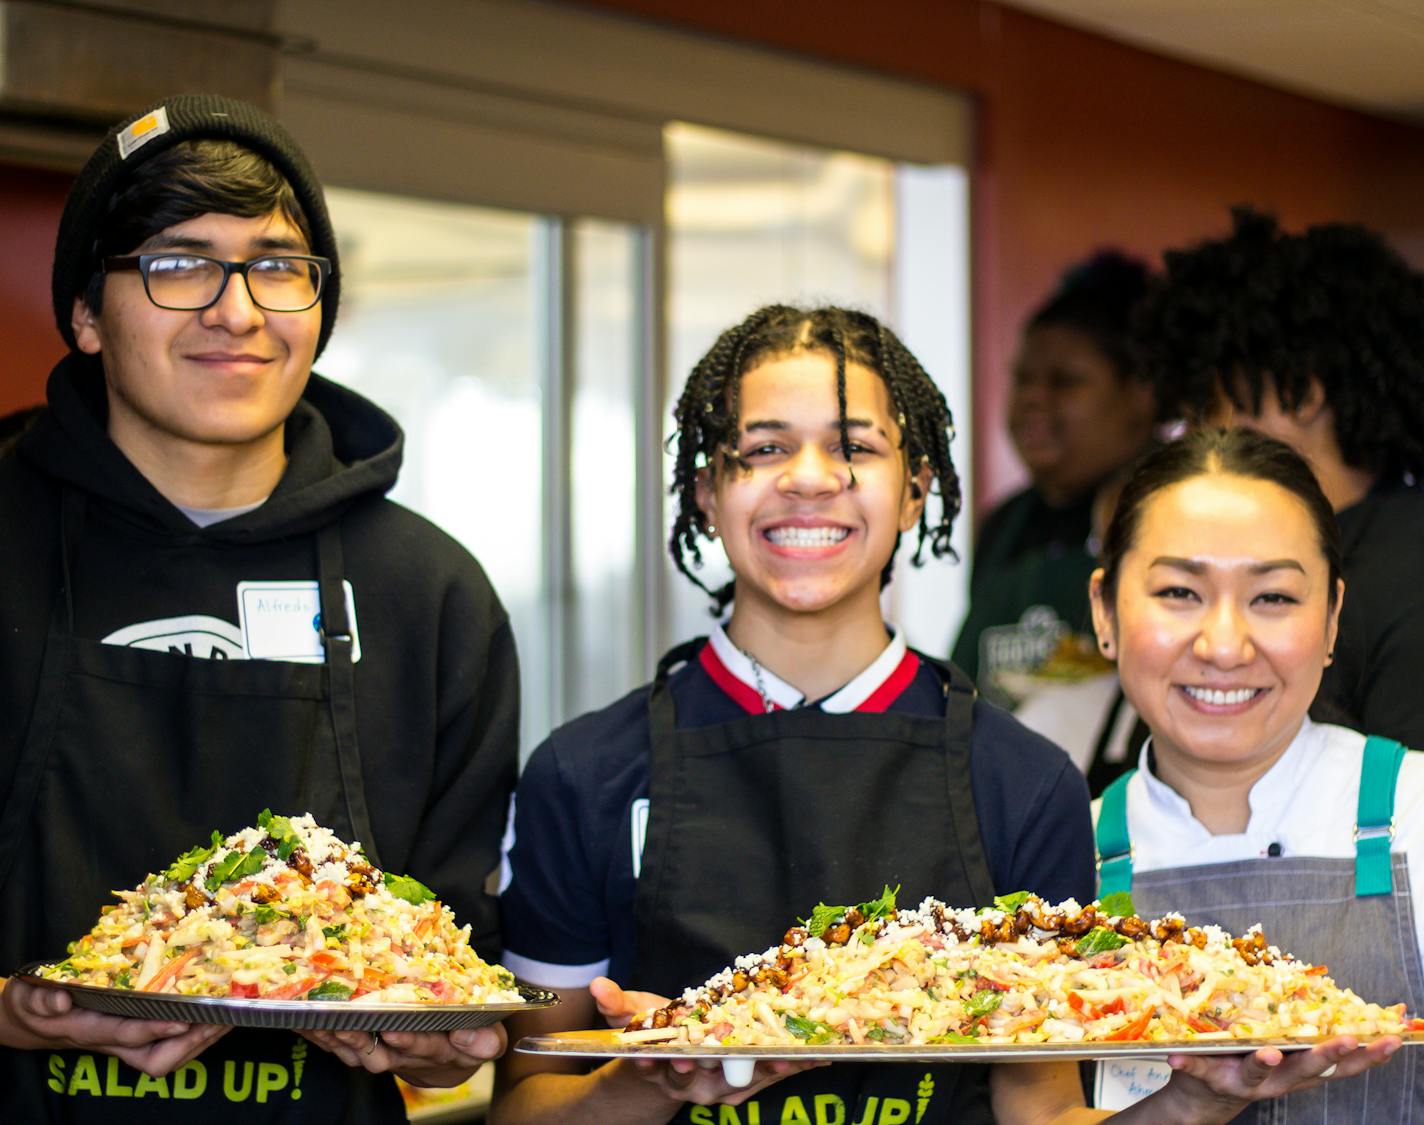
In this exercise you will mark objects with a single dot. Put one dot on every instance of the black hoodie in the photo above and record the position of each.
(117, 759)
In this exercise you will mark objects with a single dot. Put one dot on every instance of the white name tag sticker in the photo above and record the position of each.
(1125, 1082)
(282, 621)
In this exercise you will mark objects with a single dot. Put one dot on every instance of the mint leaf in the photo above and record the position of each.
(1099, 939)
(983, 1002)
(411, 890)
(1009, 904)
(1118, 903)
(812, 1031)
(330, 990)
(822, 918)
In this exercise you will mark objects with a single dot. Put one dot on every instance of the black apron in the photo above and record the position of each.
(755, 820)
(131, 757)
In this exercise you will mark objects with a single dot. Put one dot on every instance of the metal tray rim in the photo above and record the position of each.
(603, 1044)
(317, 1014)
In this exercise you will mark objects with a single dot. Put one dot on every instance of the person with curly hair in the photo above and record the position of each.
(1316, 338)
(1078, 416)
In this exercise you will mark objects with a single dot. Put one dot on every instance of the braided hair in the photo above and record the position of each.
(708, 416)
(1264, 309)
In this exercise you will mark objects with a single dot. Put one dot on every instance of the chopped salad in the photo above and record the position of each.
(1019, 972)
(284, 911)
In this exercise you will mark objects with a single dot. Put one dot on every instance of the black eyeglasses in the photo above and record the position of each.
(190, 282)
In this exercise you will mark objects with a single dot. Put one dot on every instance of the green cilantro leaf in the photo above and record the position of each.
(1099, 939)
(266, 914)
(234, 866)
(956, 1038)
(338, 932)
(876, 1033)
(882, 907)
(1118, 903)
(411, 890)
(183, 867)
(122, 979)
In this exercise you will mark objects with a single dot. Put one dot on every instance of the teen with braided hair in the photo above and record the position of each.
(1317, 339)
(801, 753)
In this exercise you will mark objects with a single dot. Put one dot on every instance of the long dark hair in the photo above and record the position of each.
(1238, 451)
(708, 416)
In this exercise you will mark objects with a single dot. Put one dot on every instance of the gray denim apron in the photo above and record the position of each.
(1354, 915)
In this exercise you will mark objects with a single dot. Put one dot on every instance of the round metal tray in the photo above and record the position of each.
(327, 1015)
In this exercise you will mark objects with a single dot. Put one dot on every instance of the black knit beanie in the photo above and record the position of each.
(184, 117)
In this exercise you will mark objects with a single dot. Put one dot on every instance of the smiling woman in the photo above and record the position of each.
(1219, 597)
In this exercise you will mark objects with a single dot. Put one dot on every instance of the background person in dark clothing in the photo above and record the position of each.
(1317, 339)
(1078, 415)
(188, 459)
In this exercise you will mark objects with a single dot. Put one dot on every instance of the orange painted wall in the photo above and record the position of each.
(30, 202)
(1083, 142)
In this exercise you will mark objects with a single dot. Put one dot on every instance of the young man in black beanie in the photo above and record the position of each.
(209, 607)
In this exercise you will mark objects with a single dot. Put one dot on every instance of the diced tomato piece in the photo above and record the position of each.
(295, 989)
(325, 959)
(1317, 970)
(373, 980)
(1201, 1023)
(1078, 1004)
(242, 991)
(1135, 1030)
(1114, 1007)
(1104, 960)
(989, 982)
(1414, 1025)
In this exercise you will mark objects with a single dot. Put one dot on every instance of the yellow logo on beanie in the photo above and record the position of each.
(142, 131)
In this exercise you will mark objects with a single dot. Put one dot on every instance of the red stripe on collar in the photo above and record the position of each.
(749, 700)
(895, 684)
(744, 696)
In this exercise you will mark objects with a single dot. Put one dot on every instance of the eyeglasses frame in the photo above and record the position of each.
(142, 262)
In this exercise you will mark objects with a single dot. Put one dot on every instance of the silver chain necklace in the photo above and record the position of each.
(767, 705)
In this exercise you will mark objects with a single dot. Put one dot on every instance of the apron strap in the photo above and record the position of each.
(1100, 769)
(662, 716)
(34, 756)
(1374, 816)
(341, 682)
(1113, 842)
(959, 697)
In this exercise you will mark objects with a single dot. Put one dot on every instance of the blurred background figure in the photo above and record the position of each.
(1078, 415)
(1317, 339)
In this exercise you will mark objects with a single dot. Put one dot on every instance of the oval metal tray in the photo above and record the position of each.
(327, 1015)
(737, 1062)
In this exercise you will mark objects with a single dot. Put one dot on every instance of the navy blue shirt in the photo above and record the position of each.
(581, 812)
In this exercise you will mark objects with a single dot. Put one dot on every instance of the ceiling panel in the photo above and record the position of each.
(1363, 53)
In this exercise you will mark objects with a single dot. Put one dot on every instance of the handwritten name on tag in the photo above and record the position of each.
(282, 621)
(1124, 1082)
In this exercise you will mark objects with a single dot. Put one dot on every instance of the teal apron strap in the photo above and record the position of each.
(1114, 844)
(1374, 817)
